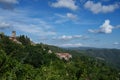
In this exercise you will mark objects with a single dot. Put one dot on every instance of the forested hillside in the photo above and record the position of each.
(110, 56)
(33, 62)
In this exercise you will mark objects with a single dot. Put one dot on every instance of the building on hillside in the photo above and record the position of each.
(49, 51)
(13, 37)
(65, 56)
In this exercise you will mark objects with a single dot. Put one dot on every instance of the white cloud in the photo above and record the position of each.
(8, 4)
(93, 31)
(118, 26)
(20, 21)
(40, 28)
(65, 4)
(71, 45)
(9, 1)
(4, 25)
(106, 0)
(71, 16)
(66, 17)
(106, 28)
(99, 8)
(116, 43)
(64, 37)
(77, 36)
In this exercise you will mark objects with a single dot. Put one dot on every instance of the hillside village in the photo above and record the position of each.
(65, 56)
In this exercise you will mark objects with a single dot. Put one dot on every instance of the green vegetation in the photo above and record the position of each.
(110, 56)
(24, 40)
(33, 62)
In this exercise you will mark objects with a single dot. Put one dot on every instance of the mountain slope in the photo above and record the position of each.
(111, 56)
(33, 62)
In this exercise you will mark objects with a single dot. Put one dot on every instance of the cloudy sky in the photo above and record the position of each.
(64, 23)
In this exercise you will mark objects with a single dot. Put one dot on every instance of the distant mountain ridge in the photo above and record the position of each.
(86, 48)
(111, 56)
(81, 48)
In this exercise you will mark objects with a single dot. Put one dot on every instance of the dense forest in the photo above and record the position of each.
(110, 56)
(33, 62)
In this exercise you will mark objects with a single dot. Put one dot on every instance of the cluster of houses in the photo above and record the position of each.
(62, 56)
(65, 56)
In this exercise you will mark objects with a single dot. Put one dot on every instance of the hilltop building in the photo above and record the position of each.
(13, 37)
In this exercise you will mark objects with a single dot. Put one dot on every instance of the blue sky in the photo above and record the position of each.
(64, 23)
